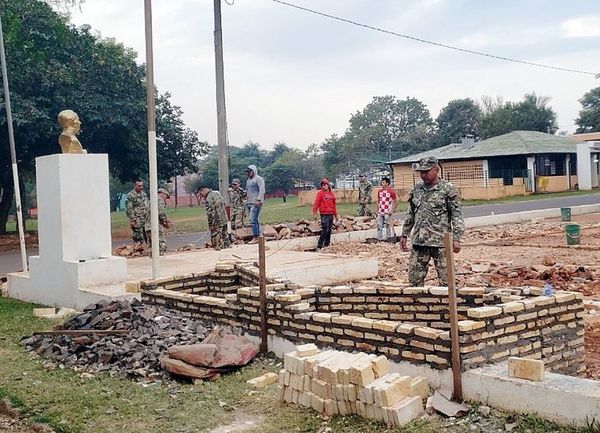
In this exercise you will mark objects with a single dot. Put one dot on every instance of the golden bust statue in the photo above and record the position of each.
(69, 121)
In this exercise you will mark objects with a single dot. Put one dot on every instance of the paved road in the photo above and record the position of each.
(11, 261)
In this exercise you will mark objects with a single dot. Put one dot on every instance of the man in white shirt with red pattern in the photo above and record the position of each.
(386, 205)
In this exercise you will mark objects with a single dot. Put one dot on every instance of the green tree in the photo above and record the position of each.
(386, 128)
(117, 190)
(533, 113)
(457, 119)
(52, 66)
(191, 182)
(589, 116)
(178, 147)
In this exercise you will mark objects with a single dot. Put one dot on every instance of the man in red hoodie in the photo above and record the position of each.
(325, 205)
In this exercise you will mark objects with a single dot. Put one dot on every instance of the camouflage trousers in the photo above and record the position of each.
(219, 238)
(138, 234)
(364, 209)
(162, 240)
(418, 264)
(237, 218)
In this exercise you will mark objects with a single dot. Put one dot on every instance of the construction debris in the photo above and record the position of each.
(264, 380)
(219, 352)
(51, 313)
(41, 312)
(136, 250)
(305, 227)
(150, 331)
(334, 382)
(523, 368)
(440, 401)
(3, 287)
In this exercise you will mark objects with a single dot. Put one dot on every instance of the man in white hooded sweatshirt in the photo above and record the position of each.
(255, 188)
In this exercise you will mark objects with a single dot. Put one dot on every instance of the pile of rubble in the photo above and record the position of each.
(218, 353)
(393, 265)
(304, 228)
(560, 276)
(136, 250)
(512, 231)
(131, 339)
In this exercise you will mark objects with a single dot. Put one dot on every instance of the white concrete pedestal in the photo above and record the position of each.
(74, 234)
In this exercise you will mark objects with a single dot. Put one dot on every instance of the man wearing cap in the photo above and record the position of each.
(365, 188)
(216, 216)
(237, 197)
(433, 209)
(137, 209)
(255, 190)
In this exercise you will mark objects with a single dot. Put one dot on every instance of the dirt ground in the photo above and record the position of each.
(11, 242)
(526, 254)
(11, 421)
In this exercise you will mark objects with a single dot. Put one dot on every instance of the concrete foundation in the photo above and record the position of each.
(564, 399)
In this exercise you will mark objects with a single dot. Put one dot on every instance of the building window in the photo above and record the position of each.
(550, 164)
(461, 173)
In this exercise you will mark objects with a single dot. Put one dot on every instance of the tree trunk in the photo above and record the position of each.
(6, 199)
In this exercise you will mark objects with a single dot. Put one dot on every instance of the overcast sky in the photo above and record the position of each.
(296, 77)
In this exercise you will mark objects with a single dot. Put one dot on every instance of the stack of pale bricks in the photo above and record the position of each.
(333, 382)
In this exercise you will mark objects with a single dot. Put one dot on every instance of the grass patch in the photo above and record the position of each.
(70, 404)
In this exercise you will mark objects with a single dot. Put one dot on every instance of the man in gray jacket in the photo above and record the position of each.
(255, 188)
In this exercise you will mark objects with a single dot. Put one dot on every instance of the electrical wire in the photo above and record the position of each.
(436, 44)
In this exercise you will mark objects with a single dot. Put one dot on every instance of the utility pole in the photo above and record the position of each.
(151, 109)
(221, 111)
(13, 154)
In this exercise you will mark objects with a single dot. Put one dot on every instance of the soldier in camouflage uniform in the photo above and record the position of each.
(433, 209)
(237, 196)
(364, 196)
(217, 218)
(137, 209)
(163, 222)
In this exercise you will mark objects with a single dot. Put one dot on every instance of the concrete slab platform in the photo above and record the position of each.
(306, 268)
(564, 399)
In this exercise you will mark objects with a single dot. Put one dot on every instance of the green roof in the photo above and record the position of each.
(513, 143)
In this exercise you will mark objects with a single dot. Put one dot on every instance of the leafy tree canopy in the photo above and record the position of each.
(53, 66)
(386, 128)
(458, 119)
(533, 113)
(281, 167)
(589, 116)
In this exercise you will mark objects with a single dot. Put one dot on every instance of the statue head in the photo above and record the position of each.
(69, 119)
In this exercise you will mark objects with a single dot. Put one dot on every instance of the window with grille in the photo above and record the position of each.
(550, 164)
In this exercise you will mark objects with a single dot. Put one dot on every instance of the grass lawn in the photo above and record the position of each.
(71, 404)
(193, 219)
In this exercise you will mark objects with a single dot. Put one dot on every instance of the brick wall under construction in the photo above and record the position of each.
(403, 323)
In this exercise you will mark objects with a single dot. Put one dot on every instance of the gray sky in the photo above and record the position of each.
(296, 77)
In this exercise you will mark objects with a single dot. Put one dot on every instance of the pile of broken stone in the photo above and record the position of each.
(146, 333)
(304, 228)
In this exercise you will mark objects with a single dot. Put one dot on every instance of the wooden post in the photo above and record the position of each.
(262, 283)
(456, 367)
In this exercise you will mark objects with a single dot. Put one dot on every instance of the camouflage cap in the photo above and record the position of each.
(236, 180)
(426, 163)
(164, 191)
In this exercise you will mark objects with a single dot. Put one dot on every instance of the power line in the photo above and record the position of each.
(436, 44)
